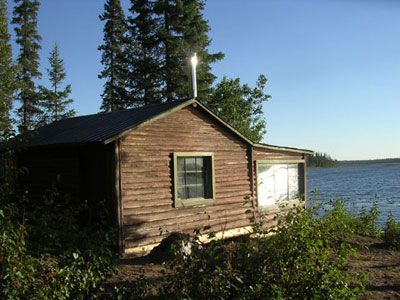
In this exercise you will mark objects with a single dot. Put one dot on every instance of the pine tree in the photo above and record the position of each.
(182, 31)
(7, 82)
(55, 100)
(241, 106)
(25, 19)
(114, 57)
(144, 54)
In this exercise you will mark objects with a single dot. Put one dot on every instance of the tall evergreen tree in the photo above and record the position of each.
(241, 106)
(56, 100)
(182, 31)
(144, 54)
(114, 57)
(7, 80)
(25, 19)
(164, 34)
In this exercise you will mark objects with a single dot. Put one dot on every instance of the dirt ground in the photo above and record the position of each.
(381, 265)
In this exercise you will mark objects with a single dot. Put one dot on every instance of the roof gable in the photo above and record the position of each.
(104, 128)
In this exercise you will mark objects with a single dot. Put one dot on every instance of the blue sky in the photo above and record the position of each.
(333, 65)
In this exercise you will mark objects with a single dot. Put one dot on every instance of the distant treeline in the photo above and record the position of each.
(321, 160)
(371, 161)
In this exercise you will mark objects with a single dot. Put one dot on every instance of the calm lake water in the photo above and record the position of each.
(358, 185)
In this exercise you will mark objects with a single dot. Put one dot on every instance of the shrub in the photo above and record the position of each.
(341, 224)
(17, 271)
(392, 233)
(298, 262)
(74, 275)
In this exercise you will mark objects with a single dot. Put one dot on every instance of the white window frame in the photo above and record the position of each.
(276, 205)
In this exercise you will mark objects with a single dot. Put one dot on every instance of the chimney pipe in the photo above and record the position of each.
(194, 62)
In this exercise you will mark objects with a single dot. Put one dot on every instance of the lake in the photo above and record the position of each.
(358, 185)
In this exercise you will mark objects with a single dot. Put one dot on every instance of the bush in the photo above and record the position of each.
(74, 275)
(299, 261)
(341, 224)
(391, 234)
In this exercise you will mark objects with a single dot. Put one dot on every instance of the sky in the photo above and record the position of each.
(333, 66)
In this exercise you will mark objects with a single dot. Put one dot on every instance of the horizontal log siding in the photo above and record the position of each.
(147, 178)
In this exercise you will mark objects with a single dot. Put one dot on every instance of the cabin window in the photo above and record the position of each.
(194, 178)
(279, 182)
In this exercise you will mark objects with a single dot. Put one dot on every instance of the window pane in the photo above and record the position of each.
(200, 191)
(293, 173)
(181, 179)
(191, 178)
(281, 182)
(200, 178)
(199, 163)
(182, 194)
(190, 164)
(191, 190)
(181, 164)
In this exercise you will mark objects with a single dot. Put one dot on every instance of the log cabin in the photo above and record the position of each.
(172, 167)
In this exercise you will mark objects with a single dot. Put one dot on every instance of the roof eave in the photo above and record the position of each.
(287, 149)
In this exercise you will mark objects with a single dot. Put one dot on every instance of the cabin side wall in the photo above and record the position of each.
(146, 174)
(41, 168)
(83, 172)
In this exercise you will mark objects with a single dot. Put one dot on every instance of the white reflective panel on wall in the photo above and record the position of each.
(281, 182)
(293, 174)
(277, 183)
(266, 185)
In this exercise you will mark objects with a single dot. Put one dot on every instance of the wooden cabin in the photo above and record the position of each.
(173, 167)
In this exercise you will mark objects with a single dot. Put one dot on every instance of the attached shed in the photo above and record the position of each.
(164, 168)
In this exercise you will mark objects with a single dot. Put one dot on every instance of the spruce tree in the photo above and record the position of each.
(114, 57)
(56, 100)
(241, 106)
(7, 81)
(182, 31)
(28, 39)
(144, 54)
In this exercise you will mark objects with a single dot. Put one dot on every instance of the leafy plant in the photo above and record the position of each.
(341, 224)
(391, 234)
(300, 261)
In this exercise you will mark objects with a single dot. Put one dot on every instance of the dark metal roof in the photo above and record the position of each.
(96, 128)
(107, 127)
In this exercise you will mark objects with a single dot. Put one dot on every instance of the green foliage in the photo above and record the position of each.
(7, 73)
(55, 100)
(45, 253)
(81, 275)
(145, 80)
(28, 39)
(72, 275)
(241, 106)
(114, 57)
(321, 160)
(163, 35)
(300, 261)
(343, 223)
(391, 234)
(182, 31)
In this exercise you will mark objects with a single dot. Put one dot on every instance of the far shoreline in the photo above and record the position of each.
(344, 163)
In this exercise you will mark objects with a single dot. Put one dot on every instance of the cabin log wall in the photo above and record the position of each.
(146, 158)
